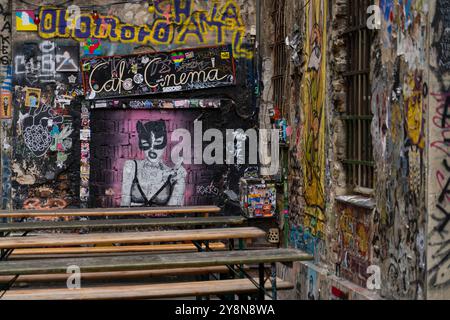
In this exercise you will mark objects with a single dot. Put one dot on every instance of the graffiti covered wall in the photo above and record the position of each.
(57, 138)
(399, 106)
(438, 261)
(313, 126)
(166, 24)
(57, 159)
(6, 101)
(307, 226)
(403, 233)
(46, 78)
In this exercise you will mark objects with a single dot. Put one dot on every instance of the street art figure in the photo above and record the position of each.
(150, 182)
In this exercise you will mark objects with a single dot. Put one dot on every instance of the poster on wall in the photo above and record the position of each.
(6, 101)
(25, 20)
(131, 162)
(164, 72)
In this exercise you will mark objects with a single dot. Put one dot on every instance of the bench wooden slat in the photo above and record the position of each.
(123, 223)
(61, 240)
(152, 291)
(114, 249)
(109, 212)
(119, 275)
(153, 261)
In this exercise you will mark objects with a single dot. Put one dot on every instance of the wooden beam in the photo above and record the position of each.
(113, 249)
(119, 275)
(67, 240)
(151, 291)
(109, 212)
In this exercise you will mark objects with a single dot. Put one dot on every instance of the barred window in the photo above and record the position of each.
(359, 162)
(279, 53)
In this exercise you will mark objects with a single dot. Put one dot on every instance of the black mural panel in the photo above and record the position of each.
(167, 72)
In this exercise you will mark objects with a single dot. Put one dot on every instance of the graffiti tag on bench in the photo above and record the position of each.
(146, 74)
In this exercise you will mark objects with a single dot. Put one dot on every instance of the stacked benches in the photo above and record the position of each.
(118, 254)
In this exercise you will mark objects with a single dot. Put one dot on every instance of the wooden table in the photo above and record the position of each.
(64, 240)
(153, 262)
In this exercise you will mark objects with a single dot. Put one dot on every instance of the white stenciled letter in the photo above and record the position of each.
(74, 280)
(374, 281)
(73, 17)
(182, 151)
(270, 165)
(374, 21)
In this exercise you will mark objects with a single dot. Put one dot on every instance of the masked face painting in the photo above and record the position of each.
(152, 139)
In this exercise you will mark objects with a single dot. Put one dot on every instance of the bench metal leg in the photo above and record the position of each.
(5, 254)
(199, 245)
(262, 282)
(8, 286)
(3, 251)
(241, 247)
(273, 279)
(231, 244)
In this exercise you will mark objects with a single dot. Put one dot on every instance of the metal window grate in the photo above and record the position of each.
(359, 162)
(279, 53)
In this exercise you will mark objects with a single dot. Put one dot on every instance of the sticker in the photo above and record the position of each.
(86, 67)
(148, 104)
(84, 192)
(84, 170)
(128, 84)
(139, 78)
(92, 95)
(92, 47)
(225, 55)
(145, 60)
(84, 147)
(180, 103)
(178, 58)
(85, 122)
(85, 135)
(172, 89)
(25, 20)
(134, 68)
(6, 100)
(72, 79)
(189, 55)
(102, 104)
(32, 97)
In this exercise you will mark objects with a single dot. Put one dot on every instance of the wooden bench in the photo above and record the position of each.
(151, 291)
(67, 213)
(65, 240)
(38, 256)
(117, 275)
(155, 262)
(119, 224)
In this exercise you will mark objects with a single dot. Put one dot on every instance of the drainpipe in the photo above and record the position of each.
(258, 21)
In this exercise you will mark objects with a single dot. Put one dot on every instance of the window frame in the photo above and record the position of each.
(359, 161)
